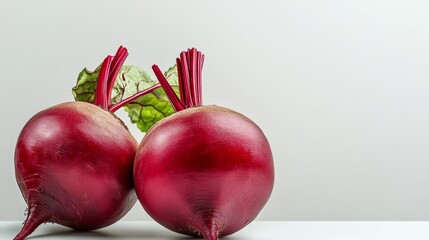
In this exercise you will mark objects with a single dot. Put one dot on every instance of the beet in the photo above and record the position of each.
(205, 170)
(73, 166)
(73, 161)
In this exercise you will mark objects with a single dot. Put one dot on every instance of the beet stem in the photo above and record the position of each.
(200, 77)
(180, 81)
(185, 76)
(100, 91)
(36, 215)
(175, 101)
(106, 78)
(118, 105)
(194, 77)
(189, 70)
(191, 64)
(118, 61)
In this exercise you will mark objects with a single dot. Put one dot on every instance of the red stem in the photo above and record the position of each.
(193, 70)
(189, 70)
(199, 74)
(180, 80)
(106, 78)
(175, 101)
(117, 63)
(100, 91)
(185, 78)
(118, 105)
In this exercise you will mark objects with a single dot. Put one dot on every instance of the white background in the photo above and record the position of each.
(339, 87)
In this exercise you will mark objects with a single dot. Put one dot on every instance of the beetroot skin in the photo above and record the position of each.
(73, 165)
(205, 170)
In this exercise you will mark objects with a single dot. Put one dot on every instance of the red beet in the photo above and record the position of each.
(73, 165)
(73, 162)
(205, 170)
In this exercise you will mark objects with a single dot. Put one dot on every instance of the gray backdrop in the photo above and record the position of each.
(339, 87)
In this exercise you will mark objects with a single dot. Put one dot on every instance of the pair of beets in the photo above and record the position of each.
(202, 171)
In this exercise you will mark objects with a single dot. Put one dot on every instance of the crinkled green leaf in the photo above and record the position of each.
(143, 111)
(171, 75)
(130, 80)
(85, 86)
(148, 109)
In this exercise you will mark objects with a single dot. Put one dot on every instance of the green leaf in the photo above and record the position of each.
(144, 111)
(148, 109)
(130, 80)
(172, 76)
(85, 86)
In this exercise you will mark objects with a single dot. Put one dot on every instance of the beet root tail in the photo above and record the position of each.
(36, 216)
(209, 228)
(210, 235)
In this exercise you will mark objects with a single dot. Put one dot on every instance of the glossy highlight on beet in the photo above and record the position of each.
(73, 161)
(205, 170)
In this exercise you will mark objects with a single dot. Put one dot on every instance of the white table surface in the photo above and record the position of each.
(290, 230)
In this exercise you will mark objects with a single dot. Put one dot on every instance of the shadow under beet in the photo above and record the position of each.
(52, 231)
